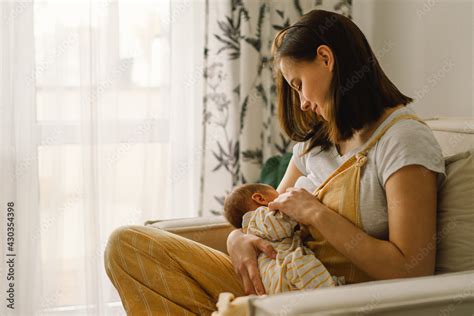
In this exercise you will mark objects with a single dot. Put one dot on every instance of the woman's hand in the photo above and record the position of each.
(243, 251)
(298, 204)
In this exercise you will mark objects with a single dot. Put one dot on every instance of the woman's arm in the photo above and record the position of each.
(411, 248)
(291, 175)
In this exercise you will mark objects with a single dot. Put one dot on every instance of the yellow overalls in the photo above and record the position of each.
(340, 192)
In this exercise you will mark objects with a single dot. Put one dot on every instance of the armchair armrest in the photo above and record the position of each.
(443, 294)
(211, 231)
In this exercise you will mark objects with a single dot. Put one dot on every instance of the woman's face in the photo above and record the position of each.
(311, 80)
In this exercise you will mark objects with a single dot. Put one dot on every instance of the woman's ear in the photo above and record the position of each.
(325, 54)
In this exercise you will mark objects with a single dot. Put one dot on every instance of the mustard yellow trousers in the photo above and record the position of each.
(160, 273)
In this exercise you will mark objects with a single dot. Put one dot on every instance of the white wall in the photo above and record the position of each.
(426, 48)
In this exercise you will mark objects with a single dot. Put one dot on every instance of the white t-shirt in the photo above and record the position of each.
(407, 142)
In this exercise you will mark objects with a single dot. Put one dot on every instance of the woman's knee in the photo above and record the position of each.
(132, 236)
(115, 242)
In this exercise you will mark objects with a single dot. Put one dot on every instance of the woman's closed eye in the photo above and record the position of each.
(295, 85)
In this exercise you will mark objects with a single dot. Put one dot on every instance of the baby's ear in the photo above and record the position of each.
(258, 197)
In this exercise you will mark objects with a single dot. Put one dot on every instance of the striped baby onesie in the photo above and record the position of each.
(295, 267)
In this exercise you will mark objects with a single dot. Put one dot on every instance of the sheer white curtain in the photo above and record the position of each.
(100, 117)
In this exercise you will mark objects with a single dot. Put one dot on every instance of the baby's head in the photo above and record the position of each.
(247, 197)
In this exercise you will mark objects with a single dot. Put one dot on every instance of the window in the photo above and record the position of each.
(102, 74)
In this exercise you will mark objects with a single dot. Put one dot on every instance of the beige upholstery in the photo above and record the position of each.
(415, 296)
(443, 294)
(453, 134)
(211, 231)
(455, 247)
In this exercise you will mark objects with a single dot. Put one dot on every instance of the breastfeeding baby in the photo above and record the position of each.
(295, 267)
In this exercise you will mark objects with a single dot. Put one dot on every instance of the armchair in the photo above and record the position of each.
(449, 292)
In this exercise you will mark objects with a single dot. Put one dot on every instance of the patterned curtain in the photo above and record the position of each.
(241, 129)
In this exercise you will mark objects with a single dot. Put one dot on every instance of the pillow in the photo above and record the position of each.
(455, 231)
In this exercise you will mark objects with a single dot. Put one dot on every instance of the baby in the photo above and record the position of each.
(295, 266)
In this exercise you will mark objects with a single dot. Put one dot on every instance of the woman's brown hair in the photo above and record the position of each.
(360, 91)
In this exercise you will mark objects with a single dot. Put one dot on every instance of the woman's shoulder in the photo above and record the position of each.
(408, 142)
(409, 132)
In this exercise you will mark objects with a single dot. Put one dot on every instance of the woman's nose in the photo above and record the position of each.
(305, 104)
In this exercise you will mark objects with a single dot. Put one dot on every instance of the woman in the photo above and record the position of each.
(373, 215)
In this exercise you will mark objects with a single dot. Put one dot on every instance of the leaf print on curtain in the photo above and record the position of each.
(241, 129)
